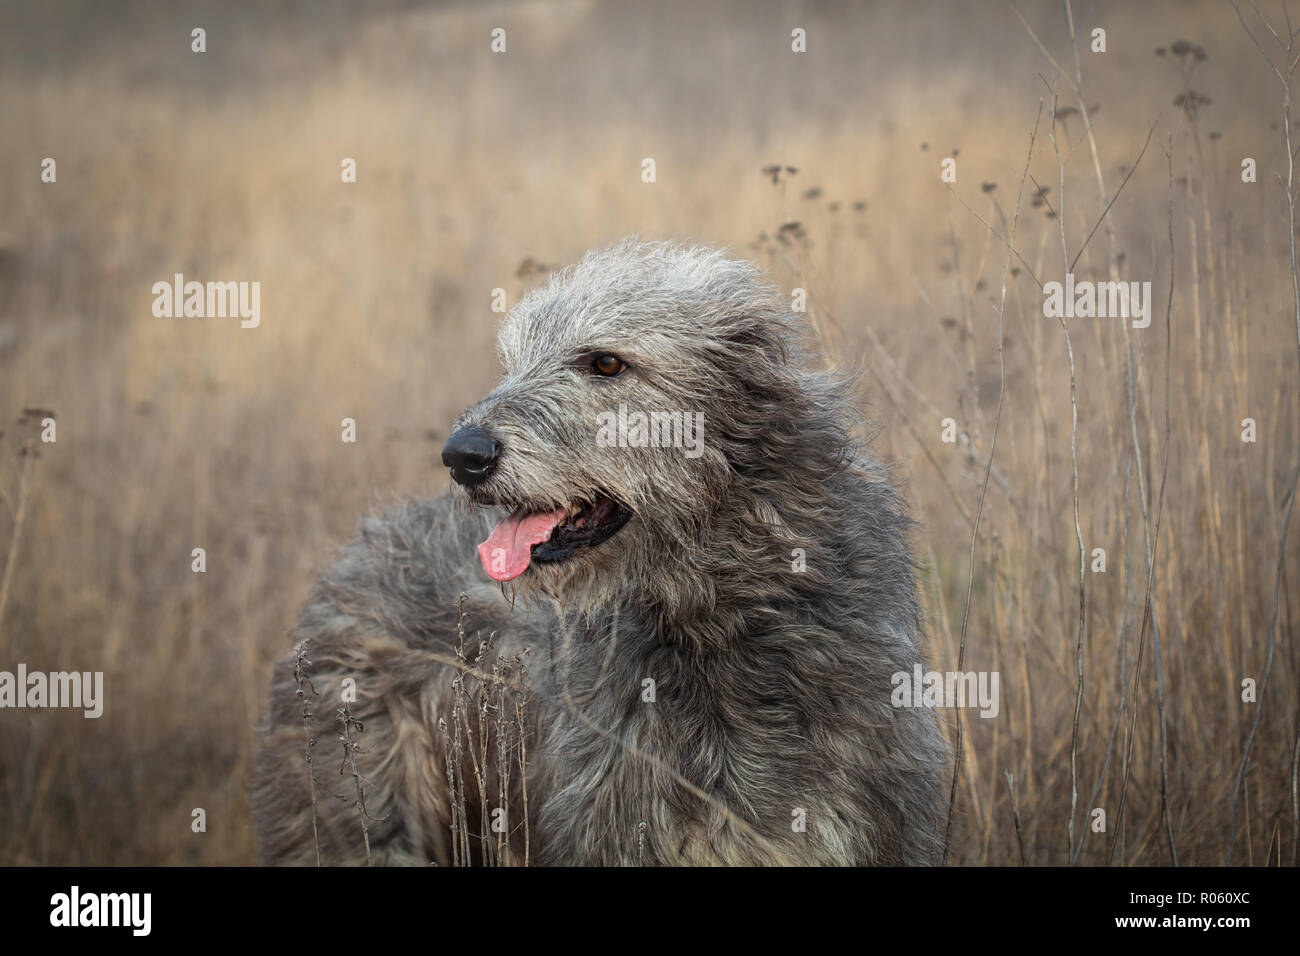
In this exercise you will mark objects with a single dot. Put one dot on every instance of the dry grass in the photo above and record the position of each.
(376, 298)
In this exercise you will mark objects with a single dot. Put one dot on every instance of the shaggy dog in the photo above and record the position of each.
(656, 622)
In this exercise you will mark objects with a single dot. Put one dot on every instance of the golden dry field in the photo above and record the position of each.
(478, 171)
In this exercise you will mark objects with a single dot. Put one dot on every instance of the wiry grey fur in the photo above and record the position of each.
(771, 685)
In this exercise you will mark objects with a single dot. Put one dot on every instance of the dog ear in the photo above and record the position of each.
(762, 340)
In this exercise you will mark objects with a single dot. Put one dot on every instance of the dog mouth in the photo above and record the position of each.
(549, 537)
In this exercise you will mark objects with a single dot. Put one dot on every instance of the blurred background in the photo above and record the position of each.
(478, 171)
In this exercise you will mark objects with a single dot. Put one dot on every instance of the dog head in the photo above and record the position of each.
(648, 391)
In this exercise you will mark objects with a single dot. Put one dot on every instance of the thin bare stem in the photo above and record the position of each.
(984, 486)
(20, 517)
(301, 672)
(1289, 49)
(1015, 812)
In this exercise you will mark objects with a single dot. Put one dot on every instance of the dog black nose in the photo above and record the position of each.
(471, 454)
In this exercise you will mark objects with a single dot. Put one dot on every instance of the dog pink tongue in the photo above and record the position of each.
(508, 549)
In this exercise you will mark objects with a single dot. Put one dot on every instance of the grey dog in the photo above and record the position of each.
(657, 621)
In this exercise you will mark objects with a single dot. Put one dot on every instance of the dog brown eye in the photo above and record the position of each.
(608, 365)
